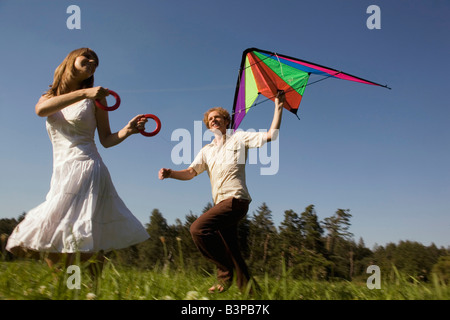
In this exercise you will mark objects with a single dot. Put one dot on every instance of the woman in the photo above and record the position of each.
(82, 212)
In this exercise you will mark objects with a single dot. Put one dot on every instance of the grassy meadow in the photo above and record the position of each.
(34, 280)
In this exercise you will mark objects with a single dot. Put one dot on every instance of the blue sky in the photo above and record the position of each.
(383, 154)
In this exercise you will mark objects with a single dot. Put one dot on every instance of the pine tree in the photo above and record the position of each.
(312, 230)
(337, 227)
(192, 256)
(290, 236)
(154, 250)
(339, 249)
(363, 257)
(262, 238)
(243, 237)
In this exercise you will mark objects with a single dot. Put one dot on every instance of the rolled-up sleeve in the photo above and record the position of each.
(199, 163)
(252, 139)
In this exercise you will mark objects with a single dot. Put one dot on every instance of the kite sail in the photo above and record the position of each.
(266, 73)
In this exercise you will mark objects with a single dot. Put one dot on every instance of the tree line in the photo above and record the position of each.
(302, 245)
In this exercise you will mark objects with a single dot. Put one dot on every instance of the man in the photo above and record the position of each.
(215, 231)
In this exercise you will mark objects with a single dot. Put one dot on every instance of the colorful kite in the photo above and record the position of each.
(266, 73)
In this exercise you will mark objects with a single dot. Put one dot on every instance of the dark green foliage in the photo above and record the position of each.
(309, 248)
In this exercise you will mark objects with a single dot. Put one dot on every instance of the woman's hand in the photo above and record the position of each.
(136, 124)
(108, 139)
(96, 93)
(47, 106)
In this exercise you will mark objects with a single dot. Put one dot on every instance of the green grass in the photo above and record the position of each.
(33, 280)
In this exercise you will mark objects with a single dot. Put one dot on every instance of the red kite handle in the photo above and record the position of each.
(158, 126)
(114, 107)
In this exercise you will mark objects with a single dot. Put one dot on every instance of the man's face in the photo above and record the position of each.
(217, 122)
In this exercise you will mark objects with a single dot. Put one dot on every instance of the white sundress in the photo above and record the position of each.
(82, 211)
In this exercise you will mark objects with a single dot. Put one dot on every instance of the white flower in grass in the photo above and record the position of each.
(27, 292)
(91, 296)
(191, 295)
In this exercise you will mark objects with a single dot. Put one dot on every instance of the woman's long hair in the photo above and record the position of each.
(66, 71)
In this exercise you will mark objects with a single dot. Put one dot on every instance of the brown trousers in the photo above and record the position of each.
(215, 235)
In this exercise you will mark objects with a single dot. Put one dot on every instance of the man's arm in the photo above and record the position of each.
(186, 174)
(272, 134)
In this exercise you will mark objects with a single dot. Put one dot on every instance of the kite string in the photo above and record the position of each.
(292, 88)
(281, 66)
(261, 60)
